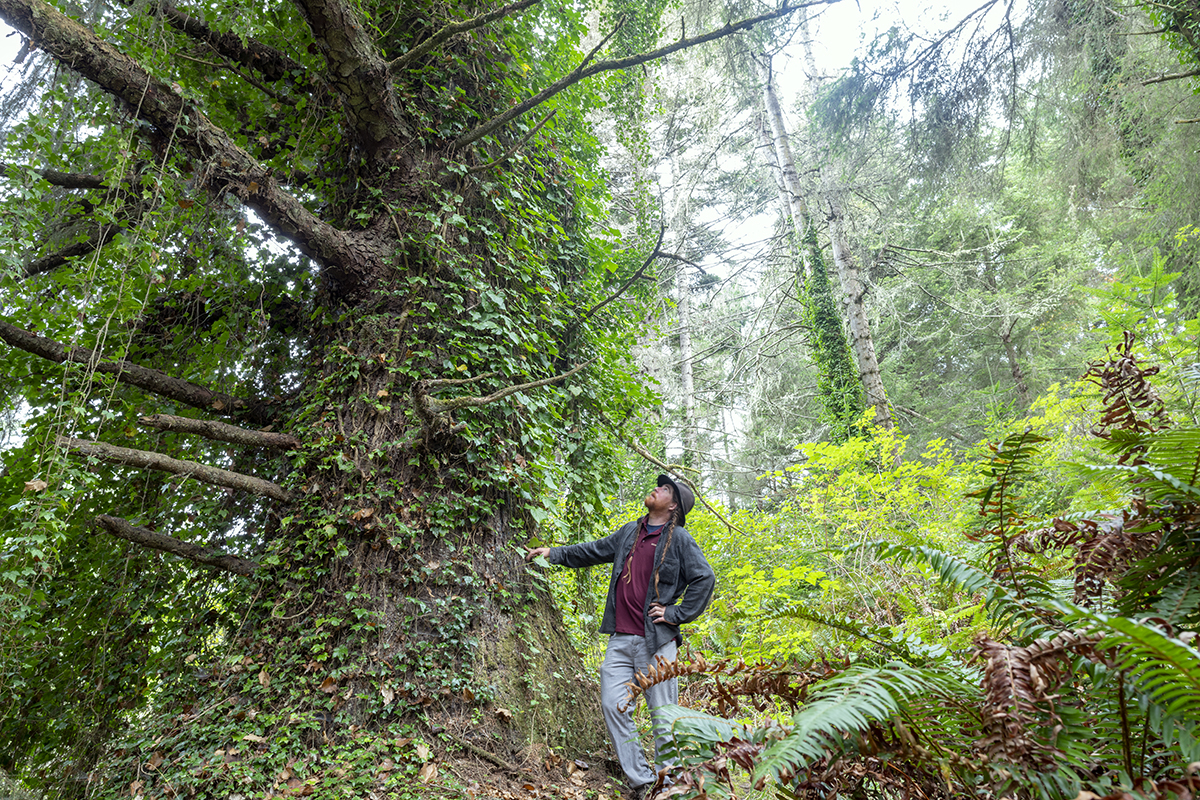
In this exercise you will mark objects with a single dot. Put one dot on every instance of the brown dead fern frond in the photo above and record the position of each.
(1020, 686)
(761, 682)
(1131, 405)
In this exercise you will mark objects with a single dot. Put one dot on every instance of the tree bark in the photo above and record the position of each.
(1014, 366)
(156, 541)
(190, 469)
(853, 293)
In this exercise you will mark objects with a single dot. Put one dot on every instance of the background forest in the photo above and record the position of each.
(315, 315)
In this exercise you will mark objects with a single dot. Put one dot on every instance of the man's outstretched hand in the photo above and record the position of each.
(534, 552)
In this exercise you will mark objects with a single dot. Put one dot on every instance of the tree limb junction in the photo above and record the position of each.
(123, 529)
(147, 459)
(228, 167)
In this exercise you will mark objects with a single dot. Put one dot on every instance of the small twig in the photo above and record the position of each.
(676, 469)
(455, 28)
(484, 754)
(515, 147)
(1187, 121)
(655, 253)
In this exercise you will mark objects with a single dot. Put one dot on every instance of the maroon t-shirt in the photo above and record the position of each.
(634, 581)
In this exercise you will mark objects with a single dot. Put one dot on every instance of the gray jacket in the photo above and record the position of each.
(681, 566)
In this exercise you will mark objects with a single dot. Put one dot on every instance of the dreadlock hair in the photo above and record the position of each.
(667, 544)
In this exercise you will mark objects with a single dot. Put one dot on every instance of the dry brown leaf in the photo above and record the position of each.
(154, 761)
(504, 714)
(36, 485)
(388, 695)
(251, 737)
(298, 788)
(427, 773)
(422, 752)
(328, 686)
(264, 679)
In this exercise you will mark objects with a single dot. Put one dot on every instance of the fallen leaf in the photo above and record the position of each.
(264, 679)
(154, 761)
(135, 788)
(37, 485)
(329, 685)
(504, 714)
(422, 752)
(388, 695)
(252, 737)
(382, 393)
(427, 773)
(387, 765)
(298, 788)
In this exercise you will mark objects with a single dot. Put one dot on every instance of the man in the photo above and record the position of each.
(660, 580)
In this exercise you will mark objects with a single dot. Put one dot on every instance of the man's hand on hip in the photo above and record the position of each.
(658, 612)
(534, 552)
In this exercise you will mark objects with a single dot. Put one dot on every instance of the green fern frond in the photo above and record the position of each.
(1179, 602)
(1157, 484)
(1162, 667)
(1177, 450)
(1003, 606)
(851, 702)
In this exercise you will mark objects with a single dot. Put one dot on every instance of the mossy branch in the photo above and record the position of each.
(123, 529)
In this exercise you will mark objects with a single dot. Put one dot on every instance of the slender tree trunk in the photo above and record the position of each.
(1014, 364)
(853, 292)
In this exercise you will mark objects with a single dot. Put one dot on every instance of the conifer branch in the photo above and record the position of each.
(220, 431)
(150, 380)
(584, 71)
(147, 459)
(453, 29)
(123, 529)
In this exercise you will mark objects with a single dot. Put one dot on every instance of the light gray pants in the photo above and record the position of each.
(624, 657)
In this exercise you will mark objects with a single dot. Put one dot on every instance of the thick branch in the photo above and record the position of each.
(266, 61)
(150, 380)
(96, 239)
(584, 71)
(520, 143)
(455, 28)
(1176, 77)
(147, 459)
(436, 406)
(220, 431)
(67, 180)
(357, 72)
(227, 166)
(156, 541)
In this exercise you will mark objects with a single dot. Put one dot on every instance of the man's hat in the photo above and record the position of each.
(683, 496)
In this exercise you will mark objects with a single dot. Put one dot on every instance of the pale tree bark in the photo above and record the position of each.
(862, 344)
(789, 177)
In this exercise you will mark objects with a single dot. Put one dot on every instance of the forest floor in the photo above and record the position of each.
(542, 774)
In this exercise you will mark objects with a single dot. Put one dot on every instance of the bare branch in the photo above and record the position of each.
(515, 147)
(583, 71)
(123, 529)
(220, 431)
(67, 180)
(455, 28)
(150, 380)
(655, 253)
(438, 383)
(674, 469)
(436, 406)
(1176, 77)
(147, 459)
